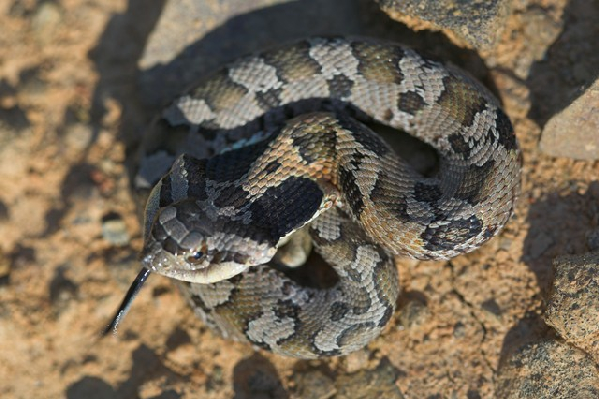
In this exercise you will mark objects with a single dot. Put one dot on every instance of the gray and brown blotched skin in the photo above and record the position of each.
(313, 162)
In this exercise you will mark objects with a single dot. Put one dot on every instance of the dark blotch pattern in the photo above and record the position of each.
(340, 86)
(272, 167)
(377, 279)
(292, 63)
(231, 196)
(351, 191)
(380, 196)
(505, 131)
(268, 99)
(363, 135)
(461, 100)
(467, 146)
(471, 188)
(339, 310)
(379, 63)
(284, 208)
(287, 308)
(459, 144)
(447, 236)
(352, 331)
(196, 178)
(389, 311)
(314, 147)
(233, 165)
(473, 110)
(410, 102)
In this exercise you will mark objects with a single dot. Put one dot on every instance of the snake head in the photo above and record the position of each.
(188, 243)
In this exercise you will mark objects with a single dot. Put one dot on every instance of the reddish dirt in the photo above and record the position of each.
(69, 122)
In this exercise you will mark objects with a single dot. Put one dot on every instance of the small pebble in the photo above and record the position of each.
(46, 20)
(368, 384)
(356, 361)
(77, 135)
(314, 384)
(114, 230)
(413, 313)
(504, 243)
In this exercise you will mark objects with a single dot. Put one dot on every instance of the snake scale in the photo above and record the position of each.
(273, 151)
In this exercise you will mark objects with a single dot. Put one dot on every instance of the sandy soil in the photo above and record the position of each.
(73, 110)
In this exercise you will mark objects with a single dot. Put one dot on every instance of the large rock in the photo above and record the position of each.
(573, 303)
(574, 132)
(478, 22)
(547, 370)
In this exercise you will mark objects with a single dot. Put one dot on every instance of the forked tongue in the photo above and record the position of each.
(127, 301)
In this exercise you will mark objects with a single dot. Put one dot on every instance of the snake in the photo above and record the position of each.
(273, 161)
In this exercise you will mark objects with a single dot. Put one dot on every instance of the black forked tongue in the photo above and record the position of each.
(127, 301)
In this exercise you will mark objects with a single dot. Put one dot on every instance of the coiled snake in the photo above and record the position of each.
(275, 150)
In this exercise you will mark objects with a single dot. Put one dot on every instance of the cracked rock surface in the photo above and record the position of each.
(548, 370)
(478, 22)
(573, 303)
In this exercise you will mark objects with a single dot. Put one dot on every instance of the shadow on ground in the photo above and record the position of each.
(146, 366)
(255, 376)
(558, 224)
(569, 65)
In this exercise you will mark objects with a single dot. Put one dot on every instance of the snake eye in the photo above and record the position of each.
(196, 257)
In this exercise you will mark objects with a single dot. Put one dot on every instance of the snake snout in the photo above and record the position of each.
(187, 243)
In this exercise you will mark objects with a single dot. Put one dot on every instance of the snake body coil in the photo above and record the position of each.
(274, 149)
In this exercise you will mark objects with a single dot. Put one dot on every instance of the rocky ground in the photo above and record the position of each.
(81, 79)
